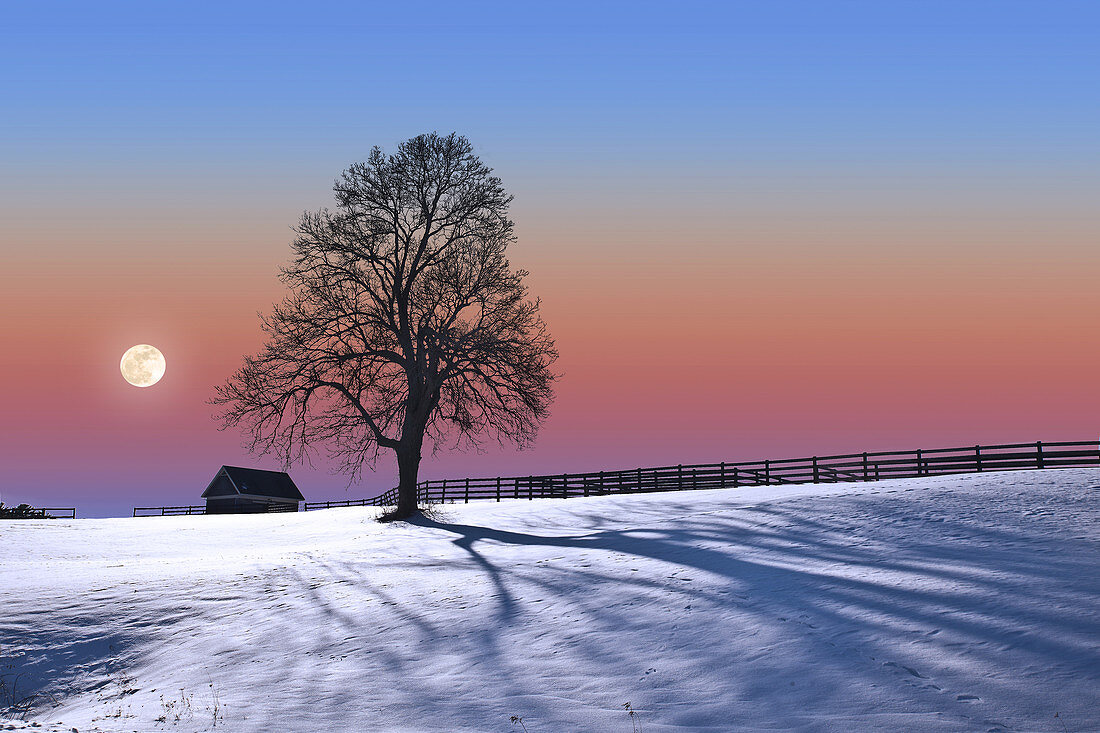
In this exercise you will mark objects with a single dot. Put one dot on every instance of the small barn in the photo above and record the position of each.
(236, 490)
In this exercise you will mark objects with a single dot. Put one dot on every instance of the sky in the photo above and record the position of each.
(758, 230)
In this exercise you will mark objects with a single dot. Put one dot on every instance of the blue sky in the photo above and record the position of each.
(236, 79)
(212, 97)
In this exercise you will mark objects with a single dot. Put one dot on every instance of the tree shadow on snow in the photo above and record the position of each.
(989, 588)
(870, 579)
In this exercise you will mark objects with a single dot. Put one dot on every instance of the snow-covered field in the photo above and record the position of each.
(968, 603)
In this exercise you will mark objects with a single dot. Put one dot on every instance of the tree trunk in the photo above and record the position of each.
(408, 465)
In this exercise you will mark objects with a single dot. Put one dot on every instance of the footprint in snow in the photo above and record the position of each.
(910, 670)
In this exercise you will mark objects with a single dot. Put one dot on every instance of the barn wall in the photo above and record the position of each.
(239, 505)
(221, 506)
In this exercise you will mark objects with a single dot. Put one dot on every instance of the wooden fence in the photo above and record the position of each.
(870, 466)
(175, 511)
(166, 511)
(58, 512)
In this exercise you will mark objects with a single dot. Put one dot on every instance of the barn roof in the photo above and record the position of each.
(257, 482)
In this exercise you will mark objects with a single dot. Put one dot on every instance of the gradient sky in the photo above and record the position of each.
(759, 229)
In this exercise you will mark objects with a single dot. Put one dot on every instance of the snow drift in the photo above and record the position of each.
(957, 603)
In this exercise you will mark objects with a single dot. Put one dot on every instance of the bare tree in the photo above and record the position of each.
(404, 321)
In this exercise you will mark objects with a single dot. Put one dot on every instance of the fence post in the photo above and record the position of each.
(530, 488)
(978, 458)
(694, 478)
(467, 501)
(919, 471)
(516, 487)
(680, 476)
(1039, 454)
(815, 471)
(767, 472)
(639, 479)
(498, 488)
(865, 476)
(736, 482)
(565, 486)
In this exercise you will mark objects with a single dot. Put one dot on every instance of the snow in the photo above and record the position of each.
(963, 603)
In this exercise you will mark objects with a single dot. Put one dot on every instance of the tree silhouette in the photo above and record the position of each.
(404, 321)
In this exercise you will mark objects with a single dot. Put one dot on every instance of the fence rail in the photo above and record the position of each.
(175, 511)
(868, 466)
(59, 512)
(166, 511)
(314, 505)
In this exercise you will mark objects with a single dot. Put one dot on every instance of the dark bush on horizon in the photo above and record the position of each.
(23, 511)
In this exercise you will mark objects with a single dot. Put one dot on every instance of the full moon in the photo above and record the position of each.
(142, 365)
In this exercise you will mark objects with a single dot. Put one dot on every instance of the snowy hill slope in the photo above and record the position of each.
(966, 603)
